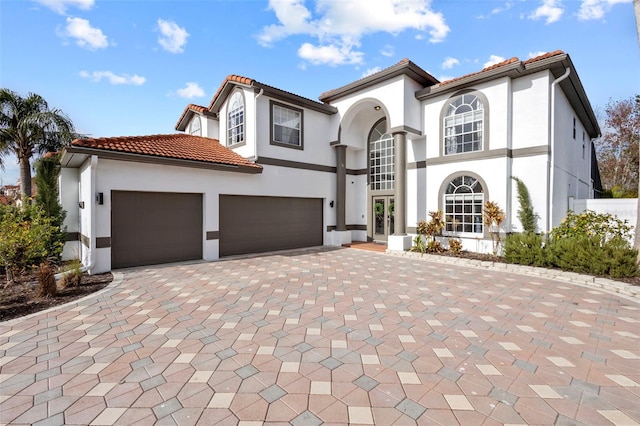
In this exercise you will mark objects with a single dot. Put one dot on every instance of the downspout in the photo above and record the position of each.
(552, 139)
(92, 240)
(255, 125)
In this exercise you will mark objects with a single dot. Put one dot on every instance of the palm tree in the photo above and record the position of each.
(27, 128)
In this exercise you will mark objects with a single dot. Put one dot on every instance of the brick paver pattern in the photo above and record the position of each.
(326, 336)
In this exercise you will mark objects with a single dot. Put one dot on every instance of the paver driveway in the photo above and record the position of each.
(333, 336)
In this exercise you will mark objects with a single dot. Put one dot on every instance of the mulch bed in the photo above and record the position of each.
(22, 299)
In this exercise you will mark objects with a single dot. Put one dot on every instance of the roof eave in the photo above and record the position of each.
(183, 122)
(407, 68)
(295, 99)
(512, 70)
(155, 159)
(572, 87)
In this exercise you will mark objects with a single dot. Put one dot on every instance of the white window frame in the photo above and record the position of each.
(463, 202)
(286, 122)
(381, 158)
(463, 125)
(195, 126)
(235, 119)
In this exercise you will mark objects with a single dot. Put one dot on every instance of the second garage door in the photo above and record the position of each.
(251, 224)
(155, 227)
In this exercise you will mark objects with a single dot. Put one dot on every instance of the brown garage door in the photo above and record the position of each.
(148, 228)
(258, 224)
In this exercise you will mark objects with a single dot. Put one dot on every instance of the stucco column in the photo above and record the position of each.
(341, 182)
(400, 197)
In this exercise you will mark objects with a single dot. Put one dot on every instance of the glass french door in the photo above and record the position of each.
(382, 217)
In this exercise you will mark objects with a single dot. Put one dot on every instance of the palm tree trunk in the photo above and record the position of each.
(25, 177)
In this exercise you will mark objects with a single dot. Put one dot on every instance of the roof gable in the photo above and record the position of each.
(189, 111)
(404, 67)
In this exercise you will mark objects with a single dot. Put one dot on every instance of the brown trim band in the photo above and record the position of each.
(85, 241)
(412, 230)
(73, 236)
(357, 172)
(213, 235)
(418, 165)
(405, 129)
(295, 165)
(103, 242)
(349, 228)
(486, 155)
(151, 159)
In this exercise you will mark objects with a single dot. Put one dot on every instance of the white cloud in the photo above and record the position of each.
(339, 26)
(493, 59)
(551, 10)
(536, 54)
(173, 36)
(371, 71)
(449, 63)
(596, 9)
(114, 79)
(60, 6)
(330, 54)
(497, 10)
(191, 90)
(387, 51)
(84, 34)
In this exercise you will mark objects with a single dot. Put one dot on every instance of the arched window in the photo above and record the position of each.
(235, 122)
(463, 201)
(463, 124)
(381, 157)
(195, 128)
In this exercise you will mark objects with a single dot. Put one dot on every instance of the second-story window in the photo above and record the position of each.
(286, 125)
(463, 124)
(235, 122)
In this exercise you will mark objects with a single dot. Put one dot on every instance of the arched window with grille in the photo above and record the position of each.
(381, 157)
(463, 202)
(235, 122)
(195, 127)
(464, 124)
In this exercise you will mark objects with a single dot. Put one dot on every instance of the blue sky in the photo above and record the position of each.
(130, 67)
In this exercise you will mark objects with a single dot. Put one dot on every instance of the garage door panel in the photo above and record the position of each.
(251, 224)
(151, 228)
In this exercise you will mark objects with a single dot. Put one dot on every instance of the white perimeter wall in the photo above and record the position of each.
(624, 208)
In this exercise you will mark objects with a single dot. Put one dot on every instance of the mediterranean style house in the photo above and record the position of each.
(262, 169)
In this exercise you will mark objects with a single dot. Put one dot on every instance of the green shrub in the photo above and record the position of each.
(525, 249)
(418, 245)
(589, 223)
(528, 218)
(593, 255)
(28, 237)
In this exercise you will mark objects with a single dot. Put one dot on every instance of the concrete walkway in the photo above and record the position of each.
(326, 336)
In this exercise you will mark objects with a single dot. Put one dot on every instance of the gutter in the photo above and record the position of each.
(255, 125)
(552, 140)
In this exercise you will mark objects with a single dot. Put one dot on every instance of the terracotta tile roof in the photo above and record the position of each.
(176, 146)
(192, 108)
(503, 63)
(544, 56)
(231, 79)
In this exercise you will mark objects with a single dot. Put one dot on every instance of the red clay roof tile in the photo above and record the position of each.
(503, 63)
(191, 107)
(178, 146)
